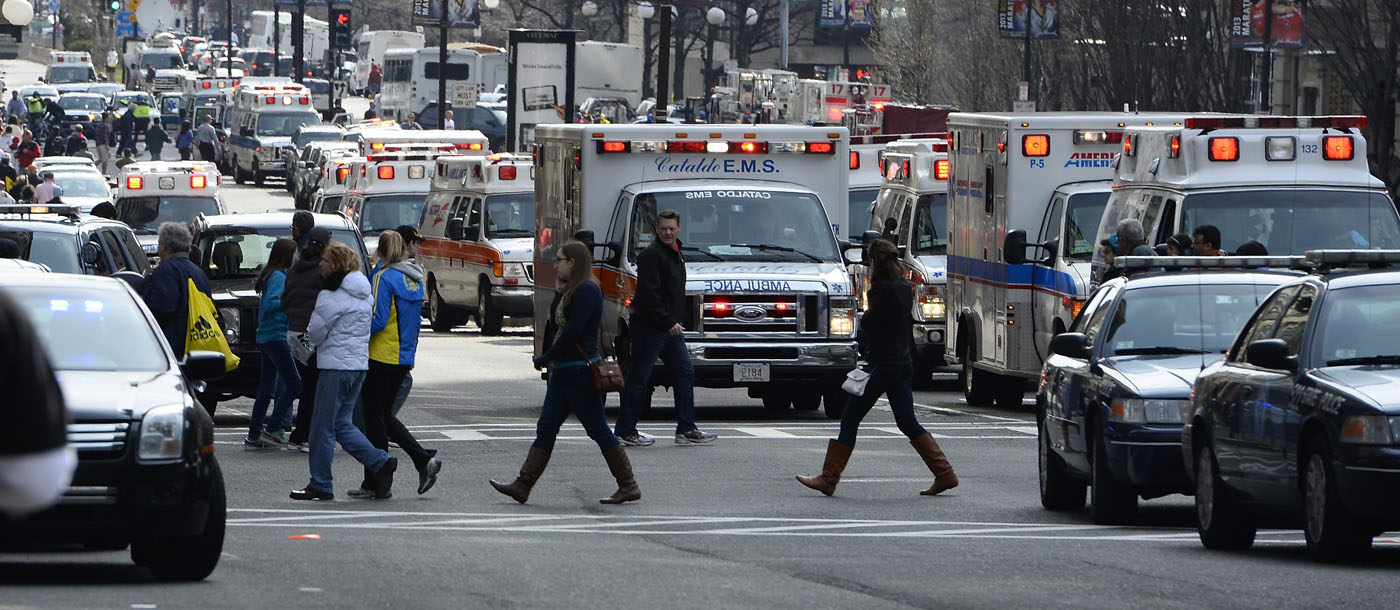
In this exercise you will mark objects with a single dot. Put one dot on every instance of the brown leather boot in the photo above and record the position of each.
(943, 476)
(621, 467)
(837, 454)
(530, 471)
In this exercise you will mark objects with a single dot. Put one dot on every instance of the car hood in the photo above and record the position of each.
(741, 276)
(1378, 383)
(236, 290)
(934, 268)
(108, 395)
(275, 141)
(86, 202)
(1157, 376)
(516, 249)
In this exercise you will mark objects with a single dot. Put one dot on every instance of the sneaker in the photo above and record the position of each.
(695, 437)
(311, 493)
(298, 447)
(638, 440)
(257, 444)
(360, 493)
(384, 479)
(427, 477)
(276, 439)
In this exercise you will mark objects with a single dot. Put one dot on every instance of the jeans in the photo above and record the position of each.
(306, 405)
(647, 345)
(571, 390)
(336, 391)
(897, 383)
(185, 154)
(382, 385)
(279, 377)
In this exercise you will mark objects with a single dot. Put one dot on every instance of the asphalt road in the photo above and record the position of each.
(719, 526)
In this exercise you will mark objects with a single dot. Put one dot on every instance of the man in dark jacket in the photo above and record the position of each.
(655, 330)
(298, 301)
(165, 293)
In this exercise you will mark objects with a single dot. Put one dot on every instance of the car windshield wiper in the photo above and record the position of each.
(700, 251)
(1383, 359)
(778, 249)
(1156, 350)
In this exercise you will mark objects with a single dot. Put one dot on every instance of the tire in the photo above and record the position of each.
(1221, 524)
(1330, 533)
(208, 401)
(1110, 502)
(189, 558)
(1058, 490)
(486, 315)
(807, 400)
(441, 316)
(775, 403)
(923, 373)
(1010, 392)
(238, 176)
(976, 385)
(834, 402)
(258, 177)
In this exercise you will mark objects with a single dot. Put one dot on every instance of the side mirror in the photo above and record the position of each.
(132, 278)
(201, 365)
(869, 236)
(472, 233)
(454, 229)
(586, 237)
(890, 225)
(1070, 345)
(90, 253)
(1051, 247)
(1013, 250)
(1271, 354)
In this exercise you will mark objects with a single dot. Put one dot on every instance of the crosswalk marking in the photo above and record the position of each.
(765, 433)
(464, 435)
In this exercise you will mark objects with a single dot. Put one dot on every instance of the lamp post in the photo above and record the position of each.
(663, 60)
(715, 16)
(646, 11)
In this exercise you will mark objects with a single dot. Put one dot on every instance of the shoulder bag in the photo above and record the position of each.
(607, 374)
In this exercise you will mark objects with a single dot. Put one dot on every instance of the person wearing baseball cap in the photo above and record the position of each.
(411, 239)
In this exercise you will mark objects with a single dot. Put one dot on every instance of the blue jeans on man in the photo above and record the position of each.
(278, 378)
(336, 392)
(648, 344)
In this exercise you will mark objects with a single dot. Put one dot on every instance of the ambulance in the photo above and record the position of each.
(912, 211)
(478, 250)
(152, 192)
(865, 182)
(198, 90)
(265, 114)
(763, 219)
(335, 175)
(1015, 175)
(469, 141)
(1291, 184)
(388, 190)
(67, 67)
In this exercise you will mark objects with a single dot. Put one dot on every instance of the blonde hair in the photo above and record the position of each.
(341, 258)
(390, 248)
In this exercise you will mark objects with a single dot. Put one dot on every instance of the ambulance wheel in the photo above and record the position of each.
(834, 402)
(774, 402)
(1010, 391)
(977, 385)
(257, 174)
(441, 316)
(487, 317)
(237, 173)
(807, 400)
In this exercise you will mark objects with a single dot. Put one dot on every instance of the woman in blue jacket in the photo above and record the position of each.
(279, 373)
(574, 318)
(393, 341)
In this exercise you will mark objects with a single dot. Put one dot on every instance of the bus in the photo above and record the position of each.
(370, 49)
(317, 36)
(410, 78)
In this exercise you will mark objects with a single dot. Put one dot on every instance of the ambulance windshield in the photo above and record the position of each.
(144, 214)
(859, 210)
(740, 224)
(1082, 220)
(1293, 221)
(510, 215)
(389, 212)
(284, 124)
(69, 74)
(929, 234)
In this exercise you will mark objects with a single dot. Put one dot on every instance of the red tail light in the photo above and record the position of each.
(1224, 149)
(1338, 148)
(1035, 145)
(134, 183)
(940, 169)
(507, 172)
(197, 182)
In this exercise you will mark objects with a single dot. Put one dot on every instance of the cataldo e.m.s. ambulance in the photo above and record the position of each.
(1015, 175)
(763, 207)
(478, 241)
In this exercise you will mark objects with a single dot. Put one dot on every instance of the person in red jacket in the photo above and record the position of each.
(28, 150)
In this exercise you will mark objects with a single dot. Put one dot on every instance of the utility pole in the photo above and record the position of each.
(299, 42)
(1026, 55)
(1266, 92)
(442, 69)
(783, 36)
(846, 38)
(276, 39)
(663, 61)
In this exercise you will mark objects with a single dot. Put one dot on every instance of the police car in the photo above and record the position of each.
(265, 115)
(1302, 416)
(1114, 388)
(67, 242)
(150, 193)
(478, 248)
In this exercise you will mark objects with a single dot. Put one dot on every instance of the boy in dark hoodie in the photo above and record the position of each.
(304, 283)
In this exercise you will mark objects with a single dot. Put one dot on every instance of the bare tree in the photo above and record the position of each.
(1362, 38)
(907, 52)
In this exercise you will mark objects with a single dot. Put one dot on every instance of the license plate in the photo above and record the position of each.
(752, 372)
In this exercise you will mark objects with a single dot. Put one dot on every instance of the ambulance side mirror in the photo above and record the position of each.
(586, 238)
(1013, 250)
(472, 233)
(454, 229)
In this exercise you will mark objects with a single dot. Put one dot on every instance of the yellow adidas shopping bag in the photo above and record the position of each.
(203, 332)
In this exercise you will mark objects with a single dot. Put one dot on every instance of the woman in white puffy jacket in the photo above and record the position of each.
(339, 329)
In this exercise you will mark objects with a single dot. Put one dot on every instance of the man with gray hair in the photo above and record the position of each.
(166, 293)
(1132, 238)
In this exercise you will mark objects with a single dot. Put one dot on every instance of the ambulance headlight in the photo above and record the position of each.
(842, 321)
(932, 308)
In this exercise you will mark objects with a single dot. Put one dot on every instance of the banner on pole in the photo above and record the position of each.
(1247, 23)
(461, 14)
(833, 14)
(1044, 18)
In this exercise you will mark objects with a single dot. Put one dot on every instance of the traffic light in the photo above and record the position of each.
(114, 5)
(340, 28)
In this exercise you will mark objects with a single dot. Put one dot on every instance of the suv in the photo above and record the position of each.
(303, 136)
(233, 249)
(58, 236)
(146, 475)
(311, 165)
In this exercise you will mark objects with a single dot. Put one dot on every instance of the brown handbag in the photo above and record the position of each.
(607, 374)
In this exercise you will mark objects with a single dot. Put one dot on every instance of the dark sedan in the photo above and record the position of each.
(1115, 388)
(1301, 420)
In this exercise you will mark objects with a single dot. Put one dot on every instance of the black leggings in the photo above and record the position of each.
(897, 383)
(381, 387)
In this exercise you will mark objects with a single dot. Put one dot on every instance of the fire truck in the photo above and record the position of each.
(769, 301)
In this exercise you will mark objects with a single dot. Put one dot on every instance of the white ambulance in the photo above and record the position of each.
(762, 208)
(1290, 184)
(374, 140)
(152, 192)
(1014, 175)
(478, 250)
(335, 175)
(68, 67)
(265, 114)
(865, 182)
(388, 190)
(912, 211)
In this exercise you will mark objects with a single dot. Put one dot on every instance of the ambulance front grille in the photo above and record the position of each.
(753, 314)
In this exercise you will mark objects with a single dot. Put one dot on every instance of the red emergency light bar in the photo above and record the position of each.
(1224, 149)
(821, 148)
(1338, 148)
(198, 182)
(341, 174)
(1302, 122)
(206, 84)
(941, 169)
(506, 172)
(687, 146)
(386, 172)
(855, 159)
(614, 146)
(1128, 146)
(469, 146)
(134, 183)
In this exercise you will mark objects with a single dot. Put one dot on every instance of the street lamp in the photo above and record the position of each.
(17, 12)
(750, 17)
(490, 4)
(646, 11)
(589, 9)
(715, 15)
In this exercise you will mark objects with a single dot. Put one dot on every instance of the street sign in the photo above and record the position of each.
(1020, 107)
(53, 6)
(133, 5)
(464, 95)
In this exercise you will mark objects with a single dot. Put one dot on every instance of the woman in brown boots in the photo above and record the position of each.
(574, 317)
(884, 337)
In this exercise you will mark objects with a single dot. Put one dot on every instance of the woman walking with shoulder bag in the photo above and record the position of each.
(883, 338)
(574, 318)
